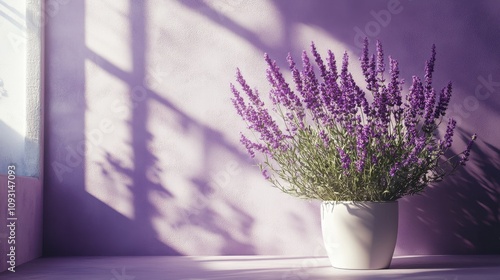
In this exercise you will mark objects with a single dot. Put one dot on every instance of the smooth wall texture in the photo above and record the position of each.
(28, 226)
(142, 140)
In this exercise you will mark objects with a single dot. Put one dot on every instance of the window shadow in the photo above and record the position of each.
(77, 223)
(459, 215)
(18, 20)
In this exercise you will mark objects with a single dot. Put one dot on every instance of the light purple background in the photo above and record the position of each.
(144, 86)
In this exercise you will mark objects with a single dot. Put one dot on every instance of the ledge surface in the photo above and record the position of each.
(252, 267)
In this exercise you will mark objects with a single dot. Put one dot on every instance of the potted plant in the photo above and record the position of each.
(358, 154)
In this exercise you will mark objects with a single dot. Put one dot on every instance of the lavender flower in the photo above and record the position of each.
(280, 88)
(413, 157)
(248, 145)
(394, 169)
(363, 134)
(430, 101)
(330, 143)
(348, 103)
(330, 91)
(448, 140)
(238, 102)
(416, 98)
(332, 65)
(394, 88)
(381, 107)
(295, 73)
(254, 98)
(325, 138)
(365, 60)
(371, 79)
(465, 155)
(360, 164)
(429, 69)
(281, 92)
(444, 99)
(413, 108)
(380, 59)
(361, 101)
(319, 61)
(257, 116)
(344, 158)
(311, 88)
(429, 92)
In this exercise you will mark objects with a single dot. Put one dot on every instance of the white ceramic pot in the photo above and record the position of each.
(359, 235)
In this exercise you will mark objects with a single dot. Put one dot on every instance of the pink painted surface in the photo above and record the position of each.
(142, 142)
(28, 226)
(253, 268)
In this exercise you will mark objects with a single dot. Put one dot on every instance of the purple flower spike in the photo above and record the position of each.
(311, 88)
(414, 106)
(319, 61)
(375, 148)
(248, 145)
(344, 158)
(371, 78)
(430, 101)
(258, 119)
(344, 73)
(429, 69)
(466, 153)
(365, 60)
(444, 100)
(238, 101)
(363, 134)
(332, 65)
(246, 88)
(394, 169)
(281, 92)
(413, 157)
(295, 73)
(380, 58)
(448, 137)
(394, 86)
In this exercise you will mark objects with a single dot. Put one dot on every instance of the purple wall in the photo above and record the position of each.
(142, 152)
(28, 226)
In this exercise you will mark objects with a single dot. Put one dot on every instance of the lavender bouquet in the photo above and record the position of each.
(327, 141)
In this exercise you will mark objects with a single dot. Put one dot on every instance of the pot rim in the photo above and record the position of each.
(357, 202)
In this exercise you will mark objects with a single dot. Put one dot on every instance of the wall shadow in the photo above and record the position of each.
(18, 20)
(78, 224)
(460, 215)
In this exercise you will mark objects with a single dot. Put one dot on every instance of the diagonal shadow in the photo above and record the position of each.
(76, 223)
(468, 204)
(429, 213)
(17, 22)
(116, 234)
